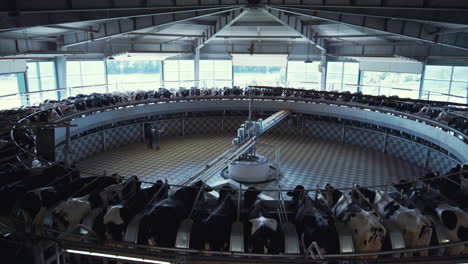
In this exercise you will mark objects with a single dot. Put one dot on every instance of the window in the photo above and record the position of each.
(342, 76)
(11, 84)
(303, 75)
(405, 85)
(259, 75)
(215, 73)
(445, 83)
(179, 73)
(259, 69)
(86, 77)
(130, 75)
(41, 77)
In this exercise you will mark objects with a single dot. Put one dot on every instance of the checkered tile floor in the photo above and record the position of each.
(305, 161)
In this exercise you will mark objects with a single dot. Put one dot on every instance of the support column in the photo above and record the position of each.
(196, 63)
(61, 69)
(323, 76)
(421, 83)
(163, 83)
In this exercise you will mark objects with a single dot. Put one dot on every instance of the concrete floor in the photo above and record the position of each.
(305, 161)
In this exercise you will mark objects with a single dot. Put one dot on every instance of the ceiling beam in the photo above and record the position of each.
(454, 16)
(222, 23)
(254, 37)
(355, 36)
(45, 39)
(403, 50)
(89, 29)
(295, 23)
(450, 31)
(42, 18)
(255, 24)
(407, 29)
(156, 34)
(21, 46)
(117, 28)
(199, 22)
(376, 5)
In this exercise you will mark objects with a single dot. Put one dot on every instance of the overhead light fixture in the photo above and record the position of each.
(102, 255)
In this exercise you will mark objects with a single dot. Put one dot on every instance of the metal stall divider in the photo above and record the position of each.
(345, 235)
(131, 233)
(291, 241)
(185, 228)
(237, 228)
(441, 231)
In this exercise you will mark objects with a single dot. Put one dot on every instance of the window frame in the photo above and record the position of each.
(308, 71)
(214, 73)
(450, 82)
(38, 79)
(179, 81)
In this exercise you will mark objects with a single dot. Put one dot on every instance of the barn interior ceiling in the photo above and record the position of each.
(419, 30)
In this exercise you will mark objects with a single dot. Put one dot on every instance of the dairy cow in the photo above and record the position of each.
(213, 232)
(263, 234)
(117, 217)
(161, 220)
(453, 218)
(31, 179)
(368, 233)
(454, 186)
(69, 213)
(312, 223)
(415, 227)
(43, 198)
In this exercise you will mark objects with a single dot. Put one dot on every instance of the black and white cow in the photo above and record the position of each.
(368, 233)
(313, 224)
(162, 219)
(416, 228)
(117, 217)
(454, 186)
(31, 179)
(263, 233)
(69, 213)
(454, 219)
(213, 232)
(41, 199)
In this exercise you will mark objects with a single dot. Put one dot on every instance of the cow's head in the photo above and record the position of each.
(330, 196)
(163, 193)
(297, 194)
(250, 196)
(188, 194)
(225, 191)
(131, 186)
(367, 194)
(404, 186)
